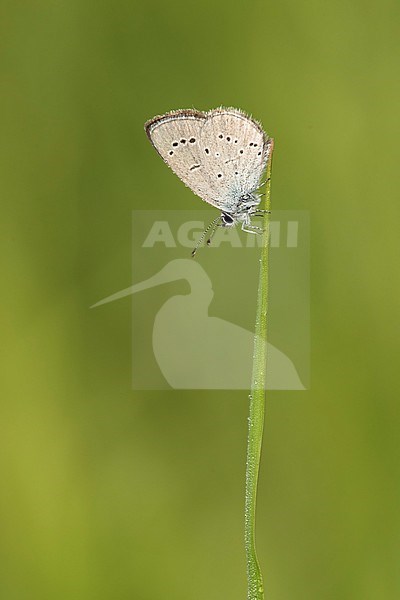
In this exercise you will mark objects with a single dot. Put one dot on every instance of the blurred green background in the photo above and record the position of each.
(108, 493)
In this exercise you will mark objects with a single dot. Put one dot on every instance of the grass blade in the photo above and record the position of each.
(255, 586)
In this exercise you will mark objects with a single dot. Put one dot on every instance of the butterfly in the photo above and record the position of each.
(220, 155)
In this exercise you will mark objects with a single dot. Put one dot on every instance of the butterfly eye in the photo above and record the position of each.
(227, 219)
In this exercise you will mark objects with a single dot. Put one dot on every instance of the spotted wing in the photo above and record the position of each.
(235, 153)
(176, 137)
(219, 155)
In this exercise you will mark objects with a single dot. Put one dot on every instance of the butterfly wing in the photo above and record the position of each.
(219, 155)
(239, 151)
(176, 137)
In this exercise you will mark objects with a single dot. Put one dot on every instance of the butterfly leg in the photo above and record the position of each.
(263, 183)
(252, 229)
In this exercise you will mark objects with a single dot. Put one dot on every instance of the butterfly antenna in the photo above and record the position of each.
(203, 235)
(212, 233)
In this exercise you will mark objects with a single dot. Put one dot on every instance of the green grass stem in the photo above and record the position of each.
(255, 586)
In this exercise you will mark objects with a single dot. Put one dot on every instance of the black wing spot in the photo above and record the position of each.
(241, 151)
(206, 150)
(192, 140)
(228, 139)
(219, 175)
(183, 141)
(171, 152)
(220, 136)
(259, 154)
(217, 154)
(193, 167)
